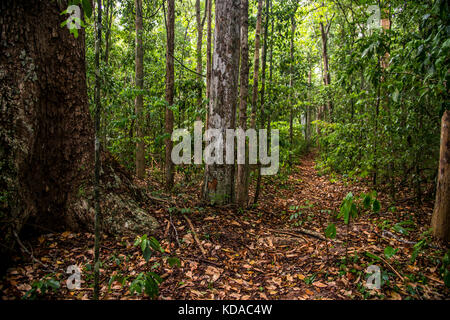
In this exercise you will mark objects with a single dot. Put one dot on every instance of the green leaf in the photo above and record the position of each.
(173, 261)
(330, 231)
(376, 206)
(147, 253)
(87, 8)
(154, 244)
(389, 252)
(366, 202)
(370, 255)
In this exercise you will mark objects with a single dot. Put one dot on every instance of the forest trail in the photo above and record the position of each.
(260, 253)
(266, 253)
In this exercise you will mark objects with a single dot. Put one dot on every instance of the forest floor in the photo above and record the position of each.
(276, 250)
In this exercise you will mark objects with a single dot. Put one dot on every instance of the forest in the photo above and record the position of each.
(224, 150)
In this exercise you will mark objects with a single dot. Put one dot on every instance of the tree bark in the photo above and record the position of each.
(263, 89)
(199, 68)
(256, 65)
(97, 164)
(218, 187)
(139, 102)
(440, 221)
(47, 134)
(242, 169)
(170, 82)
(324, 31)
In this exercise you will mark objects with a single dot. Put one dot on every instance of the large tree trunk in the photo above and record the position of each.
(46, 135)
(222, 106)
(441, 215)
(242, 169)
(139, 102)
(170, 82)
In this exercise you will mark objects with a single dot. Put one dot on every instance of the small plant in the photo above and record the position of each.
(421, 245)
(389, 252)
(42, 287)
(444, 269)
(147, 283)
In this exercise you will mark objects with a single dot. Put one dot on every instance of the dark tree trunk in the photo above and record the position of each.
(170, 82)
(139, 101)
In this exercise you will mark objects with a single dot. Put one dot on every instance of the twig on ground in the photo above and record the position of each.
(195, 235)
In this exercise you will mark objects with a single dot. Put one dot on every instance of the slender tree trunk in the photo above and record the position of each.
(263, 89)
(326, 74)
(441, 215)
(222, 106)
(98, 107)
(199, 68)
(170, 82)
(139, 102)
(291, 84)
(242, 169)
(256, 66)
(208, 53)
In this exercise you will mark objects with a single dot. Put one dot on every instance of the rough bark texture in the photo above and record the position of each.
(170, 82)
(242, 169)
(208, 54)
(46, 133)
(139, 102)
(441, 215)
(222, 106)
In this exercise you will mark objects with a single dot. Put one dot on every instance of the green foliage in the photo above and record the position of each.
(444, 269)
(421, 245)
(389, 252)
(330, 231)
(40, 288)
(147, 283)
(148, 245)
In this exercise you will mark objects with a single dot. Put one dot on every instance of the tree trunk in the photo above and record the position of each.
(208, 53)
(441, 215)
(291, 84)
(170, 82)
(222, 106)
(47, 135)
(242, 169)
(139, 102)
(263, 89)
(256, 66)
(326, 74)
(200, 24)
(97, 164)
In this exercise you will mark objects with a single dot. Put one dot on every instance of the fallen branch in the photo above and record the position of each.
(22, 246)
(308, 233)
(387, 264)
(195, 235)
(289, 234)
